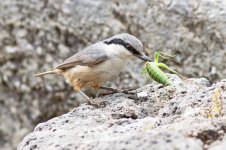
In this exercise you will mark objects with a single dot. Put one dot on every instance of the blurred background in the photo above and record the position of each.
(36, 35)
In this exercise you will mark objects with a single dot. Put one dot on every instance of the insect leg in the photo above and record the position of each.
(156, 56)
(162, 54)
(165, 67)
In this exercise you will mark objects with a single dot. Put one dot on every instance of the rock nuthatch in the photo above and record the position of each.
(99, 62)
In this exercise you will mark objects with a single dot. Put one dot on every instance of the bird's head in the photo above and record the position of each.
(129, 43)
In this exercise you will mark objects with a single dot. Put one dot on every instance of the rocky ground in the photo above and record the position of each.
(188, 115)
(36, 35)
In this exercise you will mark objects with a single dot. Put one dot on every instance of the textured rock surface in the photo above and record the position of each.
(35, 35)
(172, 117)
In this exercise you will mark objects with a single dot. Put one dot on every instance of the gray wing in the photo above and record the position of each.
(91, 55)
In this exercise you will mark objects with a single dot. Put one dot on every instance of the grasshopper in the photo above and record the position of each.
(154, 71)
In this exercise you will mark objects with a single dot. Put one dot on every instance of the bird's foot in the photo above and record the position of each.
(113, 90)
(91, 101)
(129, 91)
(97, 103)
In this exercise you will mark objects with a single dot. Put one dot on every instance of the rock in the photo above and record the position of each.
(37, 35)
(171, 117)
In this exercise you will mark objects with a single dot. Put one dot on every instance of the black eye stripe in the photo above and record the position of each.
(126, 45)
(115, 41)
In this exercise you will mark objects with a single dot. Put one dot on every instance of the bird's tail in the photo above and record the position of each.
(44, 73)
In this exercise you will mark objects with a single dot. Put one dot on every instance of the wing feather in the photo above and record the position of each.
(92, 55)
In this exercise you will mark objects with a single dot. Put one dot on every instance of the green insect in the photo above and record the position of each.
(154, 71)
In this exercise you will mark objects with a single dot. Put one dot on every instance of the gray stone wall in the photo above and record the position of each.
(36, 35)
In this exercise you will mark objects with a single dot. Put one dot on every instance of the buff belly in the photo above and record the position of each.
(94, 76)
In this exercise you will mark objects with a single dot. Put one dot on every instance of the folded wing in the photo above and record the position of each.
(90, 56)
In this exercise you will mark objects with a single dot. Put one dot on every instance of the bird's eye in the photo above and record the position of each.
(129, 47)
(132, 50)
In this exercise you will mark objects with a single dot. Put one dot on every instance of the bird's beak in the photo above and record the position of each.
(144, 58)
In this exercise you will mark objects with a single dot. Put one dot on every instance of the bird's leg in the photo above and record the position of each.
(92, 102)
(84, 95)
(113, 90)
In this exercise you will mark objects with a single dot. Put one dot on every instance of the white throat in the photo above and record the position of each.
(118, 50)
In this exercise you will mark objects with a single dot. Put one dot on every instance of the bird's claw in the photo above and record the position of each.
(104, 103)
(98, 104)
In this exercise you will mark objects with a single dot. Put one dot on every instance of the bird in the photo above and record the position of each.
(99, 62)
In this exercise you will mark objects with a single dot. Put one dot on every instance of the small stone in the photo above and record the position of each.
(142, 94)
(11, 49)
